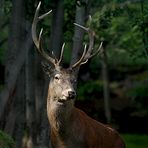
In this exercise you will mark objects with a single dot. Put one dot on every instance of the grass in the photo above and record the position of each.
(135, 141)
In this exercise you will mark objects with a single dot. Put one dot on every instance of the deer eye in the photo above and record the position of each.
(57, 77)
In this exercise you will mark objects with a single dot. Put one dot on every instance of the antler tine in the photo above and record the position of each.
(97, 51)
(91, 34)
(89, 53)
(54, 56)
(61, 55)
(34, 24)
(42, 52)
(44, 15)
(84, 28)
(81, 60)
(37, 41)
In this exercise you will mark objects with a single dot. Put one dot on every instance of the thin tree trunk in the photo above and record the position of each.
(39, 83)
(30, 99)
(41, 88)
(16, 36)
(78, 34)
(20, 109)
(57, 27)
(10, 119)
(80, 18)
(1, 12)
(106, 90)
(44, 133)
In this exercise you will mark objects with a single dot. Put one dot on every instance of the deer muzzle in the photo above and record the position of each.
(68, 94)
(71, 94)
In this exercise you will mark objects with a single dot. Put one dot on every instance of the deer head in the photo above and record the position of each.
(62, 80)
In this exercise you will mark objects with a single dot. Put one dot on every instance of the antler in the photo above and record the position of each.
(37, 40)
(89, 53)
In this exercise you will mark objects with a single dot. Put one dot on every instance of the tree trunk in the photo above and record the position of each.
(41, 88)
(106, 90)
(80, 18)
(20, 109)
(10, 119)
(30, 99)
(15, 38)
(78, 34)
(57, 27)
(1, 12)
(16, 119)
(15, 55)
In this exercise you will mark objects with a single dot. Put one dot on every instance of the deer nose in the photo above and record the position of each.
(71, 94)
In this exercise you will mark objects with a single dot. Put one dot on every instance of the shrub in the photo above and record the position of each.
(6, 141)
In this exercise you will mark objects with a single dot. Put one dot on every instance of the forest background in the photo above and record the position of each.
(112, 87)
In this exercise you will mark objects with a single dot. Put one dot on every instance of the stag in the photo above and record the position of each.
(71, 127)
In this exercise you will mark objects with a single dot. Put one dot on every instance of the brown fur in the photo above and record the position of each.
(72, 128)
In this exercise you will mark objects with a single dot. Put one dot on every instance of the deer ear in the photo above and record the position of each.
(46, 68)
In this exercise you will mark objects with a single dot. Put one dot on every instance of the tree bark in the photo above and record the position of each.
(14, 75)
(15, 68)
(15, 55)
(16, 33)
(78, 34)
(106, 90)
(57, 27)
(10, 119)
(20, 109)
(81, 16)
(1, 12)
(30, 99)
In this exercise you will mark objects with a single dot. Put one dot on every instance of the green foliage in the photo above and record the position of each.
(139, 92)
(135, 141)
(89, 89)
(123, 28)
(6, 141)
(5, 16)
(69, 17)
(7, 7)
(139, 96)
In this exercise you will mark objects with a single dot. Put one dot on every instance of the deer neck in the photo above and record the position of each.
(59, 115)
